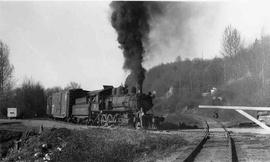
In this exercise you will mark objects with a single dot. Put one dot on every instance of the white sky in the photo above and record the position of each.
(58, 42)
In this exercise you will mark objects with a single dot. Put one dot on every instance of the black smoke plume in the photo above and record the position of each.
(131, 22)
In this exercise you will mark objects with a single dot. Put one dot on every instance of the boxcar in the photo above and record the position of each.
(63, 101)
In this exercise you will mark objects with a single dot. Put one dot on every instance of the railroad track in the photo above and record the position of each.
(215, 146)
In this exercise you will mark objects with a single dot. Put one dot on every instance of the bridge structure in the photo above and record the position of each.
(241, 110)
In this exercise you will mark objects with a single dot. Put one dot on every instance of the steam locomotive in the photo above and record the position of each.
(108, 106)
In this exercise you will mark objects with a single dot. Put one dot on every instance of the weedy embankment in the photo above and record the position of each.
(96, 144)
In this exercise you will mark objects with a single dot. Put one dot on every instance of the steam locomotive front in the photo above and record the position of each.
(144, 118)
(144, 101)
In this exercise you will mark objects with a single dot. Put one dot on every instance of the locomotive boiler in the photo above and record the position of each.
(108, 106)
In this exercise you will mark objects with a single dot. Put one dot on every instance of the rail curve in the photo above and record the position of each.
(231, 150)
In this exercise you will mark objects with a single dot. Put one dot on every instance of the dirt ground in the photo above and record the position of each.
(252, 147)
(44, 123)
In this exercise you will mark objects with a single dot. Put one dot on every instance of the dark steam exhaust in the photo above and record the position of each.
(131, 22)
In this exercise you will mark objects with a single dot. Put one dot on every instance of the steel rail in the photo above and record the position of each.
(199, 147)
(232, 149)
(232, 155)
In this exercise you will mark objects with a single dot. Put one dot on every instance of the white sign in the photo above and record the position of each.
(12, 112)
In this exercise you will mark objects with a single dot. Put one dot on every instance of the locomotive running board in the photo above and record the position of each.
(240, 109)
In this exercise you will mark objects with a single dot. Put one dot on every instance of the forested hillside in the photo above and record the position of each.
(241, 75)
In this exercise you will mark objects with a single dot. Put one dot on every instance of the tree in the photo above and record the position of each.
(265, 59)
(178, 59)
(6, 70)
(50, 91)
(231, 45)
(231, 42)
(31, 99)
(73, 85)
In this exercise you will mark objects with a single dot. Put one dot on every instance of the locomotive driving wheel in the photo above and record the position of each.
(103, 120)
(110, 119)
(116, 119)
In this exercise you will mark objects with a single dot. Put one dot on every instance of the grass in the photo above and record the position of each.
(103, 145)
(6, 140)
(100, 145)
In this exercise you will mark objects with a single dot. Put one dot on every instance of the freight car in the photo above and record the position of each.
(59, 104)
(108, 106)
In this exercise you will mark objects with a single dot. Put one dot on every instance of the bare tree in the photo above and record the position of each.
(6, 70)
(50, 91)
(231, 45)
(73, 85)
(231, 42)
